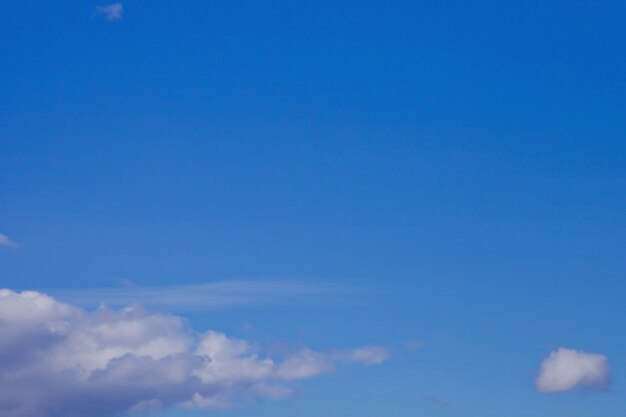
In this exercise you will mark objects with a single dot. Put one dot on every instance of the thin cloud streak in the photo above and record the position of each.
(202, 297)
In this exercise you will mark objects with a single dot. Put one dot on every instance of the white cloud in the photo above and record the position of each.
(59, 360)
(565, 369)
(6, 242)
(31, 307)
(111, 11)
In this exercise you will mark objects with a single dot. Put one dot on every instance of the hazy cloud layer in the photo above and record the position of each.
(566, 369)
(111, 11)
(57, 360)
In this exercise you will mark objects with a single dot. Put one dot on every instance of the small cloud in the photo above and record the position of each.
(414, 344)
(566, 369)
(201, 402)
(304, 364)
(146, 406)
(111, 11)
(435, 401)
(6, 242)
(369, 355)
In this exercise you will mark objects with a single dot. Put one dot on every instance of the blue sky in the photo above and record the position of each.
(452, 173)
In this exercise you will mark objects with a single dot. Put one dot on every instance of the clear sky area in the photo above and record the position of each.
(313, 208)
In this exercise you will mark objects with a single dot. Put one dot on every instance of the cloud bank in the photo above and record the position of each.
(57, 360)
(566, 369)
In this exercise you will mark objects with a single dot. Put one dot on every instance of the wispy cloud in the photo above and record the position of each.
(434, 400)
(202, 297)
(6, 242)
(58, 360)
(110, 11)
(368, 355)
(566, 369)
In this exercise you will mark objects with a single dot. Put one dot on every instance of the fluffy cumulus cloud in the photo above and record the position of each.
(111, 11)
(566, 369)
(57, 360)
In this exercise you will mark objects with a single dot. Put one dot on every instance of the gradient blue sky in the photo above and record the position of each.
(454, 171)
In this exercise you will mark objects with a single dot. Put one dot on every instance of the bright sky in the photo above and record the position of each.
(325, 208)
